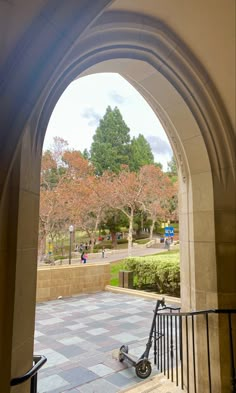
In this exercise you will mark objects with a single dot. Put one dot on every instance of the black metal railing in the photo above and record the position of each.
(32, 374)
(181, 333)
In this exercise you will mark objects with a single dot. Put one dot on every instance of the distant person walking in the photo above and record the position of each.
(103, 252)
(167, 244)
(84, 257)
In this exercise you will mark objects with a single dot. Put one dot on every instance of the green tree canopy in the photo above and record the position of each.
(172, 170)
(140, 153)
(111, 142)
(85, 154)
(159, 165)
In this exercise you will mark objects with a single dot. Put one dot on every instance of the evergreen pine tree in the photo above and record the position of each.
(140, 153)
(111, 143)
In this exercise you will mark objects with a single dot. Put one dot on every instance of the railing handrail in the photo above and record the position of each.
(189, 313)
(177, 345)
(39, 361)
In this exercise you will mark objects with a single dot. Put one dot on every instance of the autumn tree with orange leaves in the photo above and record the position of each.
(158, 193)
(126, 193)
(50, 216)
(71, 193)
(82, 194)
(149, 190)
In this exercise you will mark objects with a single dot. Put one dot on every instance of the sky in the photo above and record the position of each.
(79, 109)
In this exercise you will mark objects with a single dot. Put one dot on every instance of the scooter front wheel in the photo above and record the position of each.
(143, 369)
(125, 349)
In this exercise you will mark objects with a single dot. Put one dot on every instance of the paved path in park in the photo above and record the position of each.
(112, 256)
(81, 335)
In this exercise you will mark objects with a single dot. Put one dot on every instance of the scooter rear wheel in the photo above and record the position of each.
(123, 348)
(143, 369)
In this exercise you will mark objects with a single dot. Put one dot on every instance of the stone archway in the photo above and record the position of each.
(195, 120)
(184, 98)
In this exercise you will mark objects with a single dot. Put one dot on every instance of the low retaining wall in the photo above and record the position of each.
(147, 295)
(70, 280)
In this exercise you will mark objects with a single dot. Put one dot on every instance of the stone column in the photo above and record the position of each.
(225, 229)
(18, 261)
(208, 271)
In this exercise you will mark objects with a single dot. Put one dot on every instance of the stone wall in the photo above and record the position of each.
(63, 281)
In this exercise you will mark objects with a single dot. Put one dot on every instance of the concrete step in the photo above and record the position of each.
(156, 384)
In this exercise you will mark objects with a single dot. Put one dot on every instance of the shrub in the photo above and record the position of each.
(101, 245)
(161, 272)
(140, 236)
(122, 241)
(60, 257)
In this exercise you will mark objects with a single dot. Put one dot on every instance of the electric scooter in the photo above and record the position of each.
(143, 366)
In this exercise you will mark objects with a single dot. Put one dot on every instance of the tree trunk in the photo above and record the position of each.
(42, 246)
(113, 239)
(94, 233)
(62, 247)
(151, 230)
(92, 238)
(141, 221)
(130, 234)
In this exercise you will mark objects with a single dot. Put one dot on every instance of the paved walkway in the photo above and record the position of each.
(111, 256)
(80, 336)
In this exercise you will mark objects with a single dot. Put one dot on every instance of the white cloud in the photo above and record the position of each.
(158, 145)
(92, 116)
(116, 97)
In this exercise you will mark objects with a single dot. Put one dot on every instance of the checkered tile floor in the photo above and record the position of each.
(80, 336)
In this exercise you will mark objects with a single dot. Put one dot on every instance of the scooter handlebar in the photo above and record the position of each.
(161, 302)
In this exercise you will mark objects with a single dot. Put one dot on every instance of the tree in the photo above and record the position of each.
(59, 170)
(76, 166)
(52, 217)
(50, 222)
(58, 148)
(49, 175)
(111, 143)
(173, 175)
(159, 165)
(113, 220)
(85, 154)
(126, 194)
(159, 191)
(52, 166)
(172, 170)
(82, 194)
(140, 153)
(173, 204)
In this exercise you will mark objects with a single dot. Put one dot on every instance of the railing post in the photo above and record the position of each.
(176, 350)
(194, 360)
(195, 372)
(33, 383)
(171, 347)
(31, 375)
(208, 353)
(231, 348)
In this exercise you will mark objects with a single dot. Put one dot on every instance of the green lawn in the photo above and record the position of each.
(115, 268)
(120, 265)
(142, 241)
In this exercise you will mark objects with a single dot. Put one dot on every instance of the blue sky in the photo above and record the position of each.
(79, 109)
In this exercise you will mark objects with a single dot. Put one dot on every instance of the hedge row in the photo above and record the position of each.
(160, 272)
